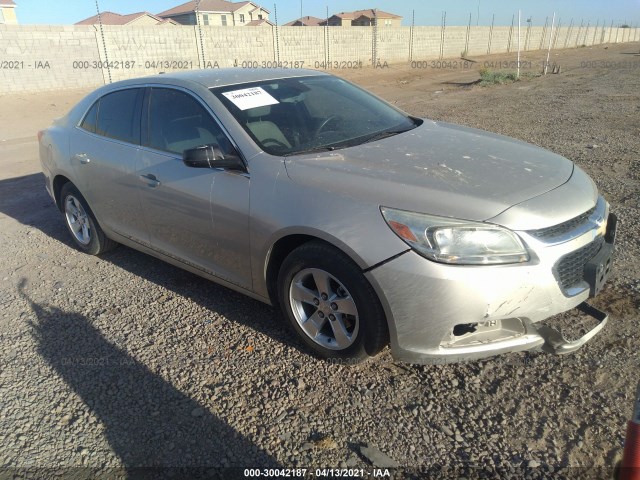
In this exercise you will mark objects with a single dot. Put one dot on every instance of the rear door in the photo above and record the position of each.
(105, 153)
(199, 216)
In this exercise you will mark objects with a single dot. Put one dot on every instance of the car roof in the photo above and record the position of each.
(220, 77)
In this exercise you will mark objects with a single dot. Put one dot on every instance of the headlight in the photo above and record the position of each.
(454, 241)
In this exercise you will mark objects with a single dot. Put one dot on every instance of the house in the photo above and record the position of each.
(218, 12)
(306, 22)
(364, 18)
(8, 12)
(139, 18)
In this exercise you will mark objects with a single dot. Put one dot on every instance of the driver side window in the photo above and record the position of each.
(178, 122)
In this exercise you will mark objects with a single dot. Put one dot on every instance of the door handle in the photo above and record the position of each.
(150, 180)
(82, 158)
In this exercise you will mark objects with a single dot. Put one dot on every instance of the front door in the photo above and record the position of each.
(199, 216)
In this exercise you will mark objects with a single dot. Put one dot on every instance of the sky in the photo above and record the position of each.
(427, 12)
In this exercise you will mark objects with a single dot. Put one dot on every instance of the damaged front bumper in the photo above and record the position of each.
(521, 334)
(445, 314)
(554, 341)
(514, 335)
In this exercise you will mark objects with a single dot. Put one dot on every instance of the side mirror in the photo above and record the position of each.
(210, 156)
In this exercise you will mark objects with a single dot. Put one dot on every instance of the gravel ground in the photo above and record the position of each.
(123, 361)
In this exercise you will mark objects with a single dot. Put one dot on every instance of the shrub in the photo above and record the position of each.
(489, 77)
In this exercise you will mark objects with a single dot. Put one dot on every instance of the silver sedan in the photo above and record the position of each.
(367, 226)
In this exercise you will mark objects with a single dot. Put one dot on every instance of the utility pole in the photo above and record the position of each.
(546, 64)
(518, 72)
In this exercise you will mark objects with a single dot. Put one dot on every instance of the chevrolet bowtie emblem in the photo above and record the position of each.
(602, 227)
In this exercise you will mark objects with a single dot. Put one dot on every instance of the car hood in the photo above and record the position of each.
(436, 168)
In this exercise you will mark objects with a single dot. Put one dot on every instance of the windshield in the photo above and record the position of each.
(306, 114)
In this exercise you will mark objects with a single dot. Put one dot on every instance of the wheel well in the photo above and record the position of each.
(58, 183)
(280, 250)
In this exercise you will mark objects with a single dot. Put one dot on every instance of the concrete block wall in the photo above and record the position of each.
(233, 46)
(426, 43)
(349, 45)
(43, 57)
(36, 58)
(393, 44)
(148, 50)
(574, 36)
(502, 38)
(302, 46)
(454, 41)
(479, 41)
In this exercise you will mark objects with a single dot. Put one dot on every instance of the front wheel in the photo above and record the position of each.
(81, 223)
(330, 304)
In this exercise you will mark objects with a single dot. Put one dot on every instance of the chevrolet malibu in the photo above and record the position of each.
(367, 226)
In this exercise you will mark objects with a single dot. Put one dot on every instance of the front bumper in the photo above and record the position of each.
(441, 313)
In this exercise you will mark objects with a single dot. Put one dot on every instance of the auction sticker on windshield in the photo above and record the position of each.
(250, 98)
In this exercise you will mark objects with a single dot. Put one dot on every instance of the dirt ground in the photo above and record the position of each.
(273, 404)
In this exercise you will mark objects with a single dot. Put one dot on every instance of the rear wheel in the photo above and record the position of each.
(81, 223)
(330, 304)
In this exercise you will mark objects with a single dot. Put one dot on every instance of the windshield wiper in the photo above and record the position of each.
(373, 137)
(321, 148)
(353, 142)
(385, 134)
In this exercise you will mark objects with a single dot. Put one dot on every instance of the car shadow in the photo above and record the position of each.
(462, 84)
(152, 427)
(26, 200)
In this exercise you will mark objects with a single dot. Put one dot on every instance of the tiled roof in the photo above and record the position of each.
(7, 3)
(111, 18)
(369, 13)
(207, 6)
(348, 15)
(307, 21)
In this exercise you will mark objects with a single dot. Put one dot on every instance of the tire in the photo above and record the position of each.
(331, 305)
(81, 223)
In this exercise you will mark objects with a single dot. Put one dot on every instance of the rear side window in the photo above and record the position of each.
(119, 116)
(91, 119)
(178, 122)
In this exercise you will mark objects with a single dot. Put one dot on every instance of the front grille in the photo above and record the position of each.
(562, 228)
(570, 268)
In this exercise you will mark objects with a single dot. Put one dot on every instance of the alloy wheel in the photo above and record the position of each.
(324, 308)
